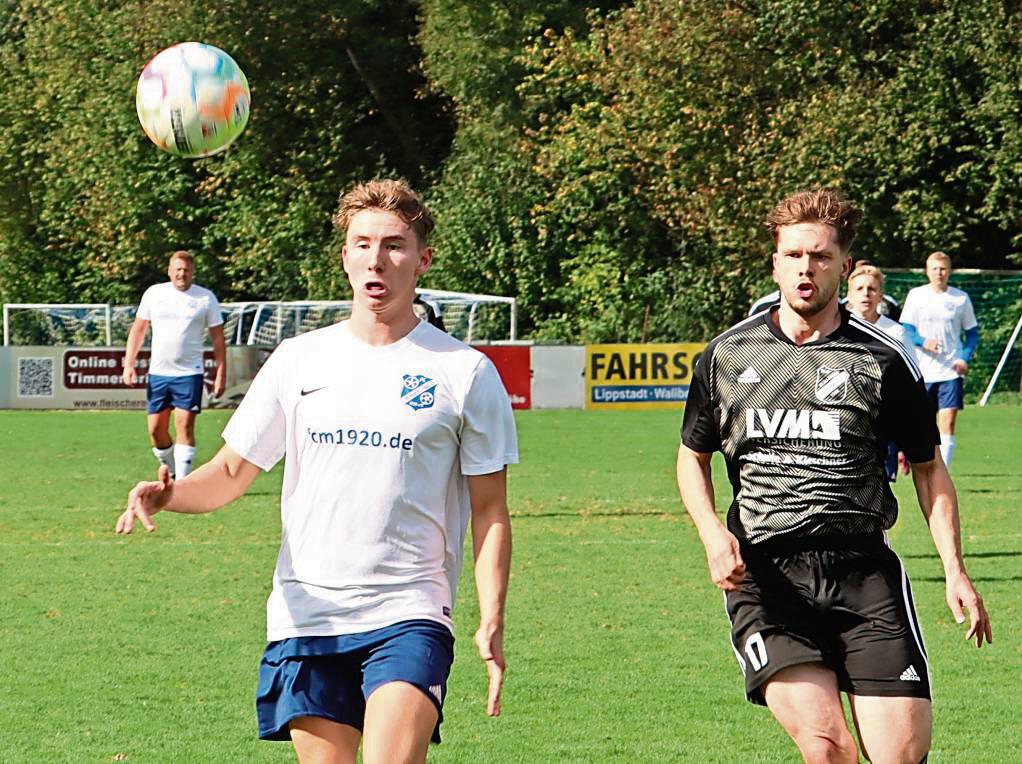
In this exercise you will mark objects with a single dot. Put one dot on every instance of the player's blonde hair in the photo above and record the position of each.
(182, 254)
(386, 195)
(867, 269)
(938, 255)
(817, 205)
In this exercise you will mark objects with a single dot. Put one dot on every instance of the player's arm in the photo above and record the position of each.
(695, 484)
(491, 544)
(216, 333)
(939, 504)
(218, 482)
(136, 336)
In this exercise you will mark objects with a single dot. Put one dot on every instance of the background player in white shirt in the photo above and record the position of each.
(936, 316)
(865, 296)
(395, 436)
(179, 313)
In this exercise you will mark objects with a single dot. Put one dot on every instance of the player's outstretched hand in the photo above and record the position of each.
(145, 500)
(931, 344)
(490, 642)
(961, 597)
(727, 568)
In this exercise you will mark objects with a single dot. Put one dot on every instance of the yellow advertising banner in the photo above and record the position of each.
(651, 376)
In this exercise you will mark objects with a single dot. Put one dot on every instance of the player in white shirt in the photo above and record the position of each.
(179, 312)
(865, 297)
(935, 317)
(395, 437)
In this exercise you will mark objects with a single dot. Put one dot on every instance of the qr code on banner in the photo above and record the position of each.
(35, 377)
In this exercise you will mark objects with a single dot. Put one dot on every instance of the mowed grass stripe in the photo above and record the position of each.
(617, 642)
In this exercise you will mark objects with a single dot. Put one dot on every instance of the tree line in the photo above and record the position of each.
(608, 163)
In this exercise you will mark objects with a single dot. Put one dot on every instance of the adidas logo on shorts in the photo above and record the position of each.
(910, 675)
(437, 690)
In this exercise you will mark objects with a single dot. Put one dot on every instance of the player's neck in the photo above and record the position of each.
(383, 327)
(939, 288)
(802, 329)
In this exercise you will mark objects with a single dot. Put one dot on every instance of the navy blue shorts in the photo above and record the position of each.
(949, 394)
(331, 677)
(163, 393)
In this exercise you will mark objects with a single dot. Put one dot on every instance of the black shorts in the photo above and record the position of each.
(849, 608)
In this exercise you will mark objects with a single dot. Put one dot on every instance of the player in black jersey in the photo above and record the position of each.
(802, 400)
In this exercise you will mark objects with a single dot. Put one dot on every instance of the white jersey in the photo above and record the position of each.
(179, 321)
(943, 316)
(377, 443)
(895, 331)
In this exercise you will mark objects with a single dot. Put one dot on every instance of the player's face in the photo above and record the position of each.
(181, 273)
(938, 271)
(864, 295)
(383, 258)
(809, 266)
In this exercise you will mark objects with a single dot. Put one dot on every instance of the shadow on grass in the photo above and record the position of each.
(970, 555)
(974, 579)
(589, 513)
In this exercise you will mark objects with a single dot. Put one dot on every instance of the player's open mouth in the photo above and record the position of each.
(375, 288)
(805, 290)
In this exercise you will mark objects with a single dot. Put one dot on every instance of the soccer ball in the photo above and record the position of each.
(192, 100)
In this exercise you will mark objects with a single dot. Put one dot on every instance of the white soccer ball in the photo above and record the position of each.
(192, 100)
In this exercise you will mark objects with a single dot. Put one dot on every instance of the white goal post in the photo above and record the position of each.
(1000, 363)
(472, 318)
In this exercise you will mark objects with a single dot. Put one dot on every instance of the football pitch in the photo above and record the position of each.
(145, 648)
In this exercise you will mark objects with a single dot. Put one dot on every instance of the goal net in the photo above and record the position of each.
(995, 374)
(472, 318)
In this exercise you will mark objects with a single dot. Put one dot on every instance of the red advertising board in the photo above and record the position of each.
(514, 364)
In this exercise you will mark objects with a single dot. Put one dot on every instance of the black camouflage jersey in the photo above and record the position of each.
(804, 428)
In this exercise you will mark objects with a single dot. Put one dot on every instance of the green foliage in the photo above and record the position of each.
(651, 147)
(89, 208)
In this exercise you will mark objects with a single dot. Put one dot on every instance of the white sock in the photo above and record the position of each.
(183, 456)
(947, 448)
(165, 456)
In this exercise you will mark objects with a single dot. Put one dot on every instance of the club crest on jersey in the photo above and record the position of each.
(417, 391)
(831, 384)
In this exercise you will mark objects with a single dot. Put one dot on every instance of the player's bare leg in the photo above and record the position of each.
(892, 730)
(321, 741)
(806, 701)
(399, 721)
(946, 421)
(159, 429)
(184, 427)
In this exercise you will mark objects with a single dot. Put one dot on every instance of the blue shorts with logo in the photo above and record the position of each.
(949, 394)
(331, 677)
(164, 393)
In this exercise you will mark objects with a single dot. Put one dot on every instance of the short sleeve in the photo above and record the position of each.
(908, 312)
(700, 430)
(489, 441)
(258, 430)
(145, 307)
(907, 413)
(968, 315)
(213, 316)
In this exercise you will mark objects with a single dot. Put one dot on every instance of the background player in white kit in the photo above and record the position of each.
(395, 435)
(179, 313)
(936, 316)
(865, 296)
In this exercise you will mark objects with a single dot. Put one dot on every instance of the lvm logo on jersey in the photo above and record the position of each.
(792, 424)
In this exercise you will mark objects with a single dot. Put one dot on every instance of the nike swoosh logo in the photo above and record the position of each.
(313, 390)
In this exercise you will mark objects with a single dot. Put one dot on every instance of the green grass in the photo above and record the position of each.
(617, 642)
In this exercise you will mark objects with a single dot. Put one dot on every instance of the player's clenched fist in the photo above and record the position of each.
(145, 500)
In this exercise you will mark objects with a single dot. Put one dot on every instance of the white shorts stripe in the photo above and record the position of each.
(913, 619)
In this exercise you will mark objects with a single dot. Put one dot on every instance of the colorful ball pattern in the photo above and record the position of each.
(192, 100)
